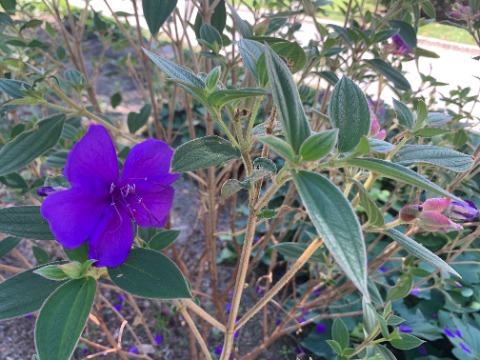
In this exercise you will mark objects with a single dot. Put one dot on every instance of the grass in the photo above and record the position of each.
(335, 12)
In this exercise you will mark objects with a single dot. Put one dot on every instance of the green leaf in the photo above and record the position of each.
(177, 73)
(434, 155)
(250, 51)
(336, 223)
(40, 255)
(24, 293)
(349, 112)
(8, 244)
(14, 88)
(422, 114)
(295, 250)
(426, 53)
(384, 35)
(231, 187)
(222, 97)
(396, 77)
(340, 333)
(407, 342)
(25, 222)
(240, 25)
(212, 37)
(290, 52)
(319, 145)
(62, 319)
(52, 272)
(402, 288)
(156, 12)
(375, 216)
(9, 5)
(163, 239)
(31, 144)
(404, 115)
(136, 120)
(429, 9)
(279, 146)
(419, 251)
(400, 173)
(335, 346)
(406, 32)
(287, 101)
(331, 77)
(79, 254)
(150, 274)
(212, 78)
(384, 353)
(380, 146)
(202, 153)
(262, 167)
(437, 119)
(116, 99)
(14, 180)
(395, 320)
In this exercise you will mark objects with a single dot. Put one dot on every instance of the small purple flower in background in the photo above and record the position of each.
(321, 328)
(461, 212)
(158, 339)
(383, 269)
(448, 333)
(422, 350)
(432, 215)
(405, 328)
(415, 292)
(218, 350)
(228, 307)
(375, 130)
(400, 47)
(100, 206)
(316, 292)
(29, 316)
(259, 290)
(458, 333)
(465, 348)
(132, 350)
(118, 307)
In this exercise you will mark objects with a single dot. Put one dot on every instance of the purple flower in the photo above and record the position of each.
(316, 292)
(218, 350)
(383, 269)
(448, 333)
(462, 212)
(465, 348)
(458, 333)
(100, 206)
(422, 350)
(29, 316)
(405, 328)
(415, 292)
(132, 350)
(228, 307)
(259, 290)
(158, 339)
(118, 307)
(400, 47)
(320, 328)
(48, 190)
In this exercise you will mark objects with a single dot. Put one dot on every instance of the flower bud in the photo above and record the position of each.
(408, 213)
(72, 269)
(462, 211)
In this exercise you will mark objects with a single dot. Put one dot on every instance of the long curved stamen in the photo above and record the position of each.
(118, 213)
(140, 201)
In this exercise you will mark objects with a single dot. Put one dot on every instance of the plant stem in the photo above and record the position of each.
(193, 328)
(239, 282)
(204, 315)
(281, 283)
